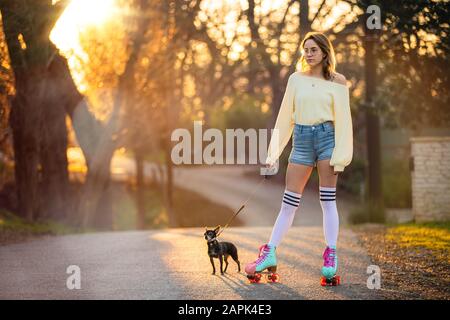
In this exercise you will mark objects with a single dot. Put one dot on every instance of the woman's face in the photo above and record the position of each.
(312, 53)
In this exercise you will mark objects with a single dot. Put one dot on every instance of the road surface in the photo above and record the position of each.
(173, 264)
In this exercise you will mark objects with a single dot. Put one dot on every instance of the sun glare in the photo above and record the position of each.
(78, 15)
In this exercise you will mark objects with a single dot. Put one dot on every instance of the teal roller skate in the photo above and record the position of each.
(330, 264)
(266, 260)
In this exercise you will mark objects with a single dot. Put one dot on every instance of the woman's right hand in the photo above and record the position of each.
(269, 168)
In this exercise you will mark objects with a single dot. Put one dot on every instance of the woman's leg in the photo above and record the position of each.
(327, 191)
(297, 175)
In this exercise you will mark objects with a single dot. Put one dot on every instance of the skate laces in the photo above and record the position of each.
(329, 256)
(263, 253)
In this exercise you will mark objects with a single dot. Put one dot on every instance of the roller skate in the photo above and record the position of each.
(266, 260)
(330, 264)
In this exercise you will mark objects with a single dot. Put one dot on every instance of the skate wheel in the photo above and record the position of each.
(273, 277)
(335, 281)
(254, 278)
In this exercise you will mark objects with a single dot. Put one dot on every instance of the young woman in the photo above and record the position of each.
(316, 108)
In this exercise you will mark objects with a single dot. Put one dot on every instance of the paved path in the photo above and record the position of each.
(173, 264)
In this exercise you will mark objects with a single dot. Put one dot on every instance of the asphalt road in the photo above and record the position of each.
(173, 264)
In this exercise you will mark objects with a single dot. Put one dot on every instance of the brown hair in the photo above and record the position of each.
(329, 62)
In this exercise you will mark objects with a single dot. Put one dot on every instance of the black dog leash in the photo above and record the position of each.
(242, 207)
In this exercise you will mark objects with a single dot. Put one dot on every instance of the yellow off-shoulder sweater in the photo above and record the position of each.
(309, 101)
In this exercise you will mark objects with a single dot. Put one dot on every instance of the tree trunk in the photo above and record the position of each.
(95, 142)
(93, 209)
(168, 190)
(103, 219)
(140, 190)
(37, 116)
(375, 193)
(40, 144)
(305, 24)
(55, 175)
(25, 121)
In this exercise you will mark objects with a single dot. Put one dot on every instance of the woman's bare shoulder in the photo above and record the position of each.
(339, 78)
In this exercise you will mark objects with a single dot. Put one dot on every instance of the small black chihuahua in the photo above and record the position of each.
(220, 250)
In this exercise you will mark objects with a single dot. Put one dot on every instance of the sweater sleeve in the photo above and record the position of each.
(343, 150)
(284, 125)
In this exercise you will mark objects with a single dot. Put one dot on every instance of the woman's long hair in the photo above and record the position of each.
(329, 62)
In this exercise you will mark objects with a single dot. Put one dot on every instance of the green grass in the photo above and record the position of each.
(434, 236)
(10, 223)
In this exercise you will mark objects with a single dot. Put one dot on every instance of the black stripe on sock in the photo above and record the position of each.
(291, 201)
(327, 196)
(287, 201)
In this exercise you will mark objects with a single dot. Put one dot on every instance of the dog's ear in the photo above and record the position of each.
(217, 228)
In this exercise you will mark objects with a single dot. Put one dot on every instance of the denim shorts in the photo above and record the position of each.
(311, 143)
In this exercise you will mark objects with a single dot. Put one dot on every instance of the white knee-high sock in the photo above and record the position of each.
(291, 201)
(330, 215)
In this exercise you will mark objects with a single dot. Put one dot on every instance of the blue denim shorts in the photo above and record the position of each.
(311, 143)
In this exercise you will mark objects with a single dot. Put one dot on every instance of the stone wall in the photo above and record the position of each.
(430, 165)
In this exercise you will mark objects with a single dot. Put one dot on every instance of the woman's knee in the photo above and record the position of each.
(297, 176)
(327, 178)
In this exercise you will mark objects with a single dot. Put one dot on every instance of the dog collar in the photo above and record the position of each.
(212, 240)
